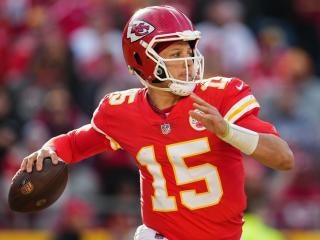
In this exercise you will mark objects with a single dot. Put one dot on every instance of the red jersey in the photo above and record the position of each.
(192, 182)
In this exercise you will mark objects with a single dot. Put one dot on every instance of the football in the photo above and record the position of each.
(30, 192)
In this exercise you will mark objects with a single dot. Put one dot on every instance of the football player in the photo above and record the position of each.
(186, 133)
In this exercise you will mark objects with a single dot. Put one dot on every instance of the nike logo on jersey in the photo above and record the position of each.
(240, 86)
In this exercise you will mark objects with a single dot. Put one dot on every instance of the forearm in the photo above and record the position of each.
(273, 152)
(268, 149)
(78, 144)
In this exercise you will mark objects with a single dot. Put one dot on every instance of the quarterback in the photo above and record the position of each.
(186, 133)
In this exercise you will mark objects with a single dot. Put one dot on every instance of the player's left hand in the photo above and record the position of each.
(208, 115)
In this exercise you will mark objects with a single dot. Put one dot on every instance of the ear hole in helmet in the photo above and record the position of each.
(161, 72)
(137, 58)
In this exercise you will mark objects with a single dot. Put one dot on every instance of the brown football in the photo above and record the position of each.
(30, 192)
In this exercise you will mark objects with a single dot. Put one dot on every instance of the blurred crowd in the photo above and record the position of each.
(58, 58)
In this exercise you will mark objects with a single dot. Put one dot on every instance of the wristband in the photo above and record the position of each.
(241, 138)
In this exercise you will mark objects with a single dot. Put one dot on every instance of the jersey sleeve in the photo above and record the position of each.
(254, 123)
(79, 144)
(242, 108)
(100, 120)
(238, 101)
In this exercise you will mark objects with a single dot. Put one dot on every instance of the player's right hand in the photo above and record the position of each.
(208, 115)
(37, 159)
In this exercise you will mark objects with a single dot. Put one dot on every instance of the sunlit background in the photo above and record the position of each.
(59, 57)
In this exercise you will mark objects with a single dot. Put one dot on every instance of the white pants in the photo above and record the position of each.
(145, 233)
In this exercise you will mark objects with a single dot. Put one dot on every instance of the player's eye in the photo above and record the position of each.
(180, 54)
(175, 55)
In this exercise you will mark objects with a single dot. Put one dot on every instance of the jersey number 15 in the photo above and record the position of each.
(177, 153)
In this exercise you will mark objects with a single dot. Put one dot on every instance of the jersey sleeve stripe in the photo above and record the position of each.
(241, 107)
(245, 110)
(114, 144)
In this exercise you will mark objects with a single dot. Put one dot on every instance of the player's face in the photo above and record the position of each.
(179, 69)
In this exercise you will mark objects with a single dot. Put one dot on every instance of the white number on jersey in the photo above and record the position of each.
(177, 153)
(117, 98)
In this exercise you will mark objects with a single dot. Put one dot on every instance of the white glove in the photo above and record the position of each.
(145, 233)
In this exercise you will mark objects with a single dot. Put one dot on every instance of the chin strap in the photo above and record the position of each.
(182, 89)
(148, 85)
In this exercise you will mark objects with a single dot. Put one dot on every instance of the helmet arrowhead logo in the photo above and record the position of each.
(139, 29)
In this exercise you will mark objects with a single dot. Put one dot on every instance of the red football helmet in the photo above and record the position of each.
(153, 25)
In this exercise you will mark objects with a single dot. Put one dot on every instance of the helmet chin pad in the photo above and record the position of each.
(182, 89)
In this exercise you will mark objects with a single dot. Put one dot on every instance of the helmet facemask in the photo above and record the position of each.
(186, 84)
